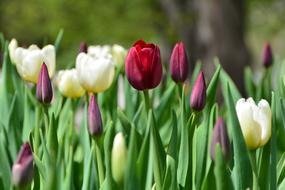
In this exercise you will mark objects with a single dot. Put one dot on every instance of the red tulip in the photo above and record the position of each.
(44, 89)
(179, 63)
(198, 95)
(143, 66)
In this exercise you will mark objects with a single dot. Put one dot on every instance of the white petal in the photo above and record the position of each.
(12, 48)
(49, 58)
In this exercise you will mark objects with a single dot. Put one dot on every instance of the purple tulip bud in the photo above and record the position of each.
(94, 118)
(179, 63)
(44, 89)
(198, 95)
(23, 169)
(267, 59)
(83, 47)
(220, 136)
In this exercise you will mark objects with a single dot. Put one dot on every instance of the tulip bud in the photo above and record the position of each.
(179, 63)
(44, 89)
(118, 54)
(83, 47)
(255, 121)
(119, 156)
(198, 95)
(143, 66)
(267, 59)
(220, 136)
(94, 118)
(23, 170)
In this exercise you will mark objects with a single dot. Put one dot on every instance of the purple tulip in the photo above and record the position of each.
(44, 89)
(83, 47)
(267, 59)
(94, 118)
(220, 136)
(179, 63)
(198, 95)
(23, 169)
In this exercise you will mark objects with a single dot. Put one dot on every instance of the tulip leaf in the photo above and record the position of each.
(281, 169)
(83, 132)
(249, 84)
(212, 87)
(273, 178)
(58, 40)
(40, 165)
(159, 155)
(87, 169)
(130, 180)
(5, 171)
(264, 167)
(172, 147)
(225, 81)
(170, 174)
(222, 175)
(125, 121)
(242, 172)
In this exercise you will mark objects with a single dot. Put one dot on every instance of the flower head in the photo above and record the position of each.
(118, 54)
(179, 63)
(95, 70)
(83, 47)
(255, 121)
(44, 89)
(143, 66)
(68, 84)
(94, 118)
(220, 136)
(198, 95)
(119, 155)
(267, 58)
(28, 61)
(23, 170)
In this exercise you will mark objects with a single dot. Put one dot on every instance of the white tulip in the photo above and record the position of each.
(95, 70)
(68, 84)
(119, 54)
(29, 60)
(255, 121)
(12, 47)
(99, 51)
(119, 157)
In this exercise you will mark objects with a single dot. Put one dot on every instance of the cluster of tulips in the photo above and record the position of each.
(118, 122)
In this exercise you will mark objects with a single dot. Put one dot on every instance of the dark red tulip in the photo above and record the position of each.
(198, 95)
(94, 118)
(44, 89)
(83, 47)
(23, 169)
(143, 66)
(179, 63)
(267, 59)
(220, 135)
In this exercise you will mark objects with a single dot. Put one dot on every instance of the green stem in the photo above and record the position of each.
(99, 161)
(254, 169)
(146, 100)
(37, 130)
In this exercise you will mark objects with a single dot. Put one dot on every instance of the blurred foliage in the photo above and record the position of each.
(123, 22)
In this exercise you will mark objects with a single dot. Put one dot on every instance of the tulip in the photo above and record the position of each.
(118, 53)
(69, 85)
(44, 89)
(12, 47)
(255, 121)
(198, 95)
(28, 61)
(119, 156)
(267, 58)
(83, 47)
(143, 66)
(23, 170)
(94, 118)
(220, 136)
(95, 70)
(179, 63)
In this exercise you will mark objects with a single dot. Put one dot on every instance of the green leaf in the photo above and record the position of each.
(159, 155)
(172, 147)
(273, 178)
(212, 87)
(222, 175)
(41, 167)
(170, 174)
(264, 167)
(281, 169)
(87, 169)
(58, 39)
(5, 171)
(242, 172)
(249, 84)
(227, 81)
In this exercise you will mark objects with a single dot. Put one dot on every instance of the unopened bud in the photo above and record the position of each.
(94, 118)
(44, 89)
(198, 95)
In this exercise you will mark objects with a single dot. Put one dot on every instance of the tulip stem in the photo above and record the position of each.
(99, 161)
(146, 100)
(254, 169)
(37, 131)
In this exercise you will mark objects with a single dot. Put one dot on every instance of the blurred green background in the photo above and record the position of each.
(160, 21)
